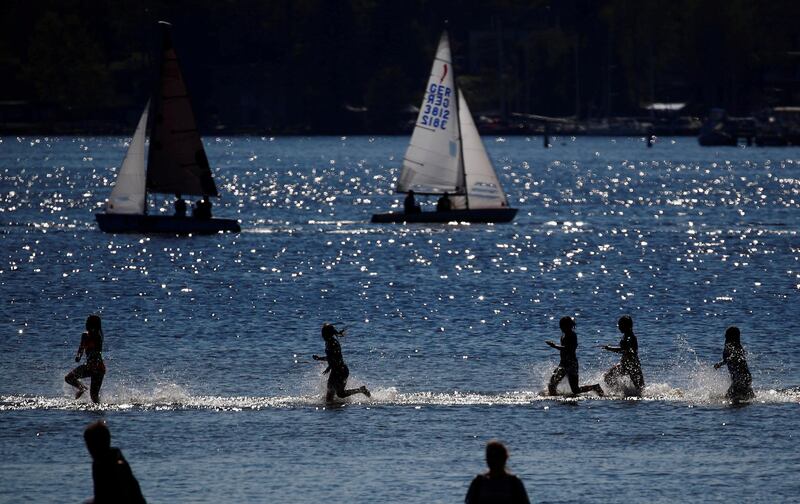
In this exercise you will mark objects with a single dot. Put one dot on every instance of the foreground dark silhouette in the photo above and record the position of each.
(339, 372)
(114, 482)
(92, 345)
(496, 485)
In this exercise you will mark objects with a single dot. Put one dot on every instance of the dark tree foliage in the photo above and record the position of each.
(338, 66)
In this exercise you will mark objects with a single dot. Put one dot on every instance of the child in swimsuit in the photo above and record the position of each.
(733, 355)
(568, 366)
(94, 368)
(629, 364)
(339, 372)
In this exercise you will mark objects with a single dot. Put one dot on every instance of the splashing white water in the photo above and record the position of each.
(175, 398)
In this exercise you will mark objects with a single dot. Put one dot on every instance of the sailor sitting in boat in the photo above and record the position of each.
(410, 205)
(202, 209)
(180, 206)
(444, 204)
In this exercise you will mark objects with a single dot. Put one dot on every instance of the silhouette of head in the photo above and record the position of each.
(733, 336)
(93, 323)
(98, 438)
(411, 192)
(328, 331)
(625, 323)
(566, 324)
(496, 456)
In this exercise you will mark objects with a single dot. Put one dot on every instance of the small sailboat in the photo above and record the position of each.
(446, 156)
(176, 163)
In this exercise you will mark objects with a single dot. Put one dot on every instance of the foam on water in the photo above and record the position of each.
(170, 399)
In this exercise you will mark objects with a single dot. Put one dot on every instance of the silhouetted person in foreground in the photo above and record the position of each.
(336, 366)
(180, 206)
(444, 204)
(629, 364)
(568, 366)
(410, 205)
(95, 368)
(114, 482)
(496, 485)
(733, 355)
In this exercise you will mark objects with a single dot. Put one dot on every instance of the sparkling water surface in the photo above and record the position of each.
(213, 397)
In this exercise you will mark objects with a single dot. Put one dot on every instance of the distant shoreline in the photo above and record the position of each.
(95, 129)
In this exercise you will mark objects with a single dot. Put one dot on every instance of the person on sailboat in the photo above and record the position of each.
(95, 368)
(180, 206)
(202, 209)
(336, 367)
(568, 366)
(629, 364)
(444, 204)
(410, 205)
(733, 356)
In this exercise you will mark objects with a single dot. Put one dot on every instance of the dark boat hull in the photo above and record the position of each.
(480, 216)
(717, 139)
(133, 223)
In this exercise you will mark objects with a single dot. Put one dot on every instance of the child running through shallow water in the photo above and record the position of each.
(339, 371)
(629, 364)
(92, 346)
(733, 355)
(568, 366)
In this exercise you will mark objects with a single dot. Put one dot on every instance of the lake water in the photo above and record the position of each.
(213, 397)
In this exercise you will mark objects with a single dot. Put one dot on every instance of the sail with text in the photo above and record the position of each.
(432, 163)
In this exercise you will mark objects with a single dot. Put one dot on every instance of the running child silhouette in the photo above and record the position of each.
(734, 356)
(339, 372)
(629, 364)
(568, 366)
(95, 368)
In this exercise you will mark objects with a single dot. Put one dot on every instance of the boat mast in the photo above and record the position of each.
(147, 128)
(458, 116)
(155, 100)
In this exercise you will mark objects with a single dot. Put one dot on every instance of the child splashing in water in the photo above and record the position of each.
(733, 355)
(629, 364)
(568, 365)
(336, 366)
(92, 346)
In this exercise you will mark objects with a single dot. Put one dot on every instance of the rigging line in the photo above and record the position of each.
(412, 161)
(426, 128)
(423, 149)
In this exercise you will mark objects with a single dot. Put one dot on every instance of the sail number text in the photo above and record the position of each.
(436, 110)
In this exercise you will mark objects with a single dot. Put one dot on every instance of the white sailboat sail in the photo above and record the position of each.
(128, 195)
(432, 163)
(483, 187)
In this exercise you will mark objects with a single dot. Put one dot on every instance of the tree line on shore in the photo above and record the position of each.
(339, 66)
